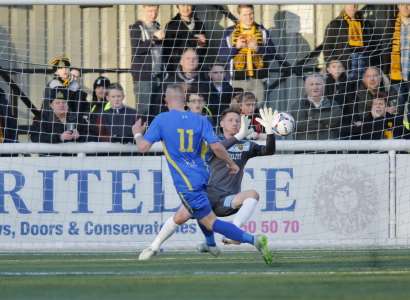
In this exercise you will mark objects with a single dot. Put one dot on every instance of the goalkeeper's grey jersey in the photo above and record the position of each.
(221, 183)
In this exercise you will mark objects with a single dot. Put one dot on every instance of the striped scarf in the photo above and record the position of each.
(247, 57)
(355, 32)
(395, 65)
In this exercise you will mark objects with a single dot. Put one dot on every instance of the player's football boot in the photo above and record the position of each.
(261, 243)
(227, 241)
(147, 253)
(213, 250)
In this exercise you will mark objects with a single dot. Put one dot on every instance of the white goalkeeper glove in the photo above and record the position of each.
(244, 131)
(268, 119)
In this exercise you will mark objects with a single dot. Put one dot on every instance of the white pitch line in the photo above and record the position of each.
(201, 273)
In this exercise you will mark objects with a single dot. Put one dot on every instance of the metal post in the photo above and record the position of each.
(392, 195)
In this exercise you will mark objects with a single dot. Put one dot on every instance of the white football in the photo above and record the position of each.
(285, 124)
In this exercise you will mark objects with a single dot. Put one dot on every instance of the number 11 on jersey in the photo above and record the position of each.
(182, 134)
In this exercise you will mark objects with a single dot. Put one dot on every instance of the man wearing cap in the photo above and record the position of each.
(98, 105)
(77, 99)
(58, 124)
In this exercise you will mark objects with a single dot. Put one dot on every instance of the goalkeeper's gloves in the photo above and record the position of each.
(269, 119)
(244, 131)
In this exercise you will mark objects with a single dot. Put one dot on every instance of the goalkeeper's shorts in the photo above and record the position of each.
(222, 206)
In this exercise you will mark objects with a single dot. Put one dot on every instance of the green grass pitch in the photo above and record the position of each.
(381, 274)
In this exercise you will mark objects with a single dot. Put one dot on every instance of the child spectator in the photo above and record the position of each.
(116, 122)
(99, 101)
(247, 105)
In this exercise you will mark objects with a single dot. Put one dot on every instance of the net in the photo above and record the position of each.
(76, 78)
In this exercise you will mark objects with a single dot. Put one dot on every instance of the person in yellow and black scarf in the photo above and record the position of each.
(76, 97)
(247, 48)
(62, 79)
(352, 40)
(396, 57)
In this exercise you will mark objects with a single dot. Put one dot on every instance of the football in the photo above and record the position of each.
(285, 125)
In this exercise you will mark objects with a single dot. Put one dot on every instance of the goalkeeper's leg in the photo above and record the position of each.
(246, 202)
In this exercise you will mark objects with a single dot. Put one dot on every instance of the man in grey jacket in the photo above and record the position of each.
(317, 118)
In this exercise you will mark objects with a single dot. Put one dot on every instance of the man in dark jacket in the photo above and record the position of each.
(316, 117)
(57, 124)
(350, 39)
(146, 55)
(183, 31)
(220, 92)
(378, 123)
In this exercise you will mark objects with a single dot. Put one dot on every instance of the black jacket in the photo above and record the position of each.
(117, 125)
(379, 128)
(49, 128)
(219, 101)
(342, 93)
(336, 41)
(141, 45)
(177, 38)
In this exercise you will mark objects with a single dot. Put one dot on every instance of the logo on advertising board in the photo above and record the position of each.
(345, 199)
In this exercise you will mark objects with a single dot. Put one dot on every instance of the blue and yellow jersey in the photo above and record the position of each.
(183, 135)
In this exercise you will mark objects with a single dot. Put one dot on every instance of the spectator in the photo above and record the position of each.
(196, 103)
(99, 101)
(237, 94)
(247, 49)
(396, 60)
(247, 105)
(116, 122)
(316, 118)
(183, 31)
(8, 123)
(378, 123)
(77, 99)
(350, 39)
(75, 74)
(340, 90)
(98, 105)
(220, 91)
(57, 125)
(146, 55)
(371, 84)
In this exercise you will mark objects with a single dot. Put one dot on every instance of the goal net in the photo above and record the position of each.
(75, 78)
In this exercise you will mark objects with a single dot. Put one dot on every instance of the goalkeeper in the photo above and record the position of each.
(224, 190)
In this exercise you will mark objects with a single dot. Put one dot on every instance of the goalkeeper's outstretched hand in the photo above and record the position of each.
(268, 119)
(244, 131)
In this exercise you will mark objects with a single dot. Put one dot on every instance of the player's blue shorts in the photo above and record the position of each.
(197, 203)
